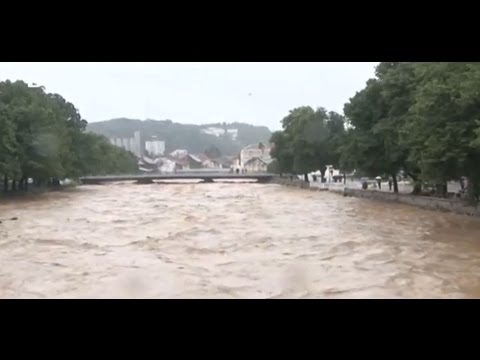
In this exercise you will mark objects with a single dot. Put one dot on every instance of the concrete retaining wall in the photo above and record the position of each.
(447, 205)
(430, 203)
(296, 183)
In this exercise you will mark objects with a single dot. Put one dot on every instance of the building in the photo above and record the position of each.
(191, 162)
(214, 131)
(133, 146)
(223, 163)
(155, 147)
(179, 153)
(235, 162)
(255, 165)
(206, 162)
(167, 165)
(255, 151)
(126, 144)
(233, 133)
(137, 150)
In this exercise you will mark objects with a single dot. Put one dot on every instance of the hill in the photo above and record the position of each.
(228, 138)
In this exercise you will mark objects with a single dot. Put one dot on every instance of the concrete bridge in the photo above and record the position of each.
(205, 177)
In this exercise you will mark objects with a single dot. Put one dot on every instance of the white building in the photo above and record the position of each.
(236, 163)
(214, 131)
(233, 133)
(138, 151)
(126, 144)
(132, 145)
(255, 165)
(167, 165)
(179, 153)
(255, 151)
(155, 147)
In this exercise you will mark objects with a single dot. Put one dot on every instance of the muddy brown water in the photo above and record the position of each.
(231, 241)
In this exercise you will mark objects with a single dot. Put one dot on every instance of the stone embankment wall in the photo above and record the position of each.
(448, 205)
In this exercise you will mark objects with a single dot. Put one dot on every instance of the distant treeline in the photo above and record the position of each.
(419, 119)
(42, 137)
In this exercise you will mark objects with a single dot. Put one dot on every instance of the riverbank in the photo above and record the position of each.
(34, 192)
(456, 206)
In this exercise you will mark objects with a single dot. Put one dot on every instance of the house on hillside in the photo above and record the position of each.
(208, 163)
(203, 159)
(225, 162)
(167, 165)
(148, 165)
(188, 162)
(179, 153)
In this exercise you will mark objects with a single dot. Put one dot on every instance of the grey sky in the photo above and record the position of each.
(196, 93)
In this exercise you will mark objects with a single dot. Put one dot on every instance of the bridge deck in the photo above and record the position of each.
(185, 176)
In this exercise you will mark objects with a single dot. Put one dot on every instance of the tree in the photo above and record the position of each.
(443, 124)
(399, 82)
(213, 152)
(8, 147)
(282, 151)
(274, 167)
(421, 118)
(376, 117)
(365, 148)
(42, 137)
(308, 140)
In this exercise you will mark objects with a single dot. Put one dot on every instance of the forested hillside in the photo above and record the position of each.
(180, 136)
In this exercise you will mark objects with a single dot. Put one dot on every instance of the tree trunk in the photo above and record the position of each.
(441, 190)
(26, 184)
(55, 182)
(14, 185)
(5, 183)
(21, 183)
(473, 192)
(306, 177)
(395, 183)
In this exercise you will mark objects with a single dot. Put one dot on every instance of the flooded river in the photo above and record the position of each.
(231, 241)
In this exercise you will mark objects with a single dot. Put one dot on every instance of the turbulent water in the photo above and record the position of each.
(231, 241)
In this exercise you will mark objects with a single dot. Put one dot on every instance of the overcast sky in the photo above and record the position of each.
(196, 93)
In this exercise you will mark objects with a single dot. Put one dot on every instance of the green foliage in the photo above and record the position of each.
(422, 119)
(282, 151)
(42, 137)
(419, 118)
(213, 152)
(274, 167)
(308, 141)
